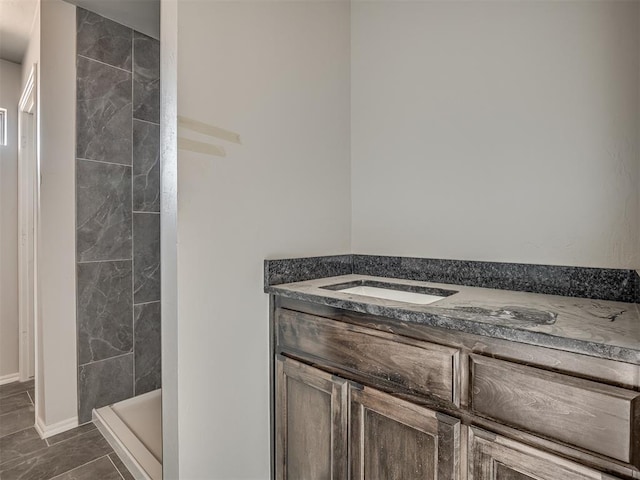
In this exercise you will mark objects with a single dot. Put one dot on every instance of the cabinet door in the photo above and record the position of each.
(392, 439)
(311, 423)
(492, 457)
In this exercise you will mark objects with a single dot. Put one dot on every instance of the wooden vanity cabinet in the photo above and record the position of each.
(492, 457)
(330, 429)
(311, 423)
(360, 399)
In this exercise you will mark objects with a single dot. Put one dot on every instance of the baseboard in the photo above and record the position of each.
(46, 431)
(12, 377)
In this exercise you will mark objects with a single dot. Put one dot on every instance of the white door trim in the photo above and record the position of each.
(28, 210)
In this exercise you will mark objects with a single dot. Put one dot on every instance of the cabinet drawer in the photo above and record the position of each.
(493, 457)
(417, 366)
(590, 415)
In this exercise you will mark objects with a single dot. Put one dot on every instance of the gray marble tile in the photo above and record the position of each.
(103, 213)
(12, 388)
(20, 444)
(146, 78)
(146, 257)
(103, 383)
(103, 39)
(14, 402)
(102, 469)
(58, 459)
(147, 347)
(69, 434)
(105, 310)
(104, 113)
(146, 166)
(17, 420)
(126, 475)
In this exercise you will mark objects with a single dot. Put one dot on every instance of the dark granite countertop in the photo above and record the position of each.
(598, 328)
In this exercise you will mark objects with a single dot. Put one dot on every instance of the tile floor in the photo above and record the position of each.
(78, 454)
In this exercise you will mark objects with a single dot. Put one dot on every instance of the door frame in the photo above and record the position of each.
(28, 214)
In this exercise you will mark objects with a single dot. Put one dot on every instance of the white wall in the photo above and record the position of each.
(57, 219)
(141, 15)
(10, 90)
(278, 74)
(52, 48)
(501, 131)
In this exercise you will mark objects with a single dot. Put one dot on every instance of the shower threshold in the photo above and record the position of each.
(133, 428)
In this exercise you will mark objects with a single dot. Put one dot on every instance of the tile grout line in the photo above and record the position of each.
(103, 161)
(17, 431)
(105, 359)
(133, 275)
(115, 466)
(130, 72)
(104, 261)
(146, 121)
(79, 466)
(146, 303)
(151, 213)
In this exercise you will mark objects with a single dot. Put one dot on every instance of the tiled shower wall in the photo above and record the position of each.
(118, 212)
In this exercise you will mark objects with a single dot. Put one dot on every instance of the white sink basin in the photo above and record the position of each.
(389, 294)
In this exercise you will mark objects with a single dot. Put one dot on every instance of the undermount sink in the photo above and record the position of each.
(392, 291)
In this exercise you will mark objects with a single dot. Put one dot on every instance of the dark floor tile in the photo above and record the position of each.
(17, 420)
(20, 444)
(58, 459)
(100, 469)
(126, 474)
(69, 434)
(14, 402)
(15, 387)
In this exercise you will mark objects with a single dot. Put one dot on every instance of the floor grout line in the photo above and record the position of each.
(17, 431)
(115, 466)
(80, 466)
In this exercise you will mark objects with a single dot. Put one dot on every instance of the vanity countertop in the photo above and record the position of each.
(597, 328)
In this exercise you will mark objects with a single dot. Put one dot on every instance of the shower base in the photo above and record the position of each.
(133, 427)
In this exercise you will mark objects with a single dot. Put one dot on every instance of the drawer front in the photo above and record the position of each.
(421, 367)
(587, 414)
(492, 457)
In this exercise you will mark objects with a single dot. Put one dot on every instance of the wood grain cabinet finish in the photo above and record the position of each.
(496, 410)
(492, 457)
(311, 423)
(392, 439)
(587, 414)
(427, 368)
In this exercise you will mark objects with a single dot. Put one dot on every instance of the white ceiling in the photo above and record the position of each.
(16, 20)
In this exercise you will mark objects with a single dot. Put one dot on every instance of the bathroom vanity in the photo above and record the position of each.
(477, 384)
